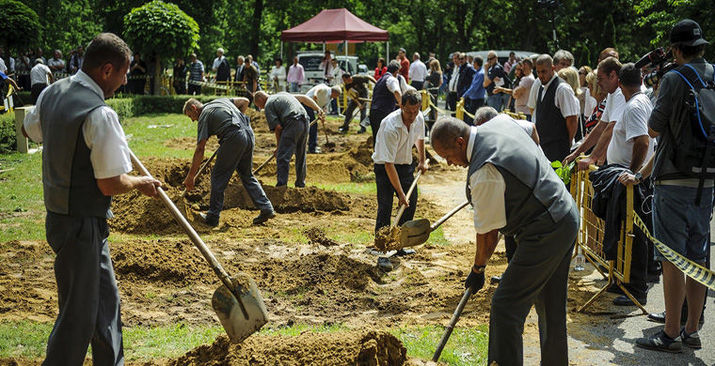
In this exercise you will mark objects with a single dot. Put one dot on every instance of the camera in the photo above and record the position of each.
(658, 60)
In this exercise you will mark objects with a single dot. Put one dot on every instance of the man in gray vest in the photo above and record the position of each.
(85, 160)
(224, 118)
(514, 190)
(386, 97)
(287, 118)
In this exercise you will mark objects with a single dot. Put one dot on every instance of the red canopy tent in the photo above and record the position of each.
(334, 26)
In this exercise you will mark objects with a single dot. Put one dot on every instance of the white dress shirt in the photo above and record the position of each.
(394, 142)
(565, 99)
(103, 134)
(38, 74)
(217, 63)
(418, 71)
(487, 186)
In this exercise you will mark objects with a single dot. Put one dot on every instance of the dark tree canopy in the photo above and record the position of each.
(160, 29)
(19, 24)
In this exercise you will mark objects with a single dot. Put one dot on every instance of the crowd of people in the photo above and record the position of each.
(602, 115)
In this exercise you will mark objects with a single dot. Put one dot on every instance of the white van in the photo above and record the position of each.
(311, 65)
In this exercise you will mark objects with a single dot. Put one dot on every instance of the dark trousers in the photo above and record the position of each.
(313, 131)
(419, 85)
(452, 101)
(385, 193)
(86, 292)
(236, 154)
(349, 114)
(536, 275)
(194, 89)
(471, 106)
(294, 140)
(376, 117)
(36, 90)
(510, 246)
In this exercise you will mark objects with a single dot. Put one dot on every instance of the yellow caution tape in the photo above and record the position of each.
(690, 268)
(440, 110)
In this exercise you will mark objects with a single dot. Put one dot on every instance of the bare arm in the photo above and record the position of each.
(124, 183)
(640, 150)
(486, 243)
(241, 103)
(308, 102)
(535, 136)
(372, 79)
(195, 164)
(398, 97)
(421, 154)
(587, 143)
(571, 126)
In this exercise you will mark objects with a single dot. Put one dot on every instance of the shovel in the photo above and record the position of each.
(274, 156)
(452, 323)
(201, 170)
(238, 304)
(416, 232)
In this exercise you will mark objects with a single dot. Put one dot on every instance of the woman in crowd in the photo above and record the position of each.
(434, 81)
(598, 97)
(278, 75)
(381, 69)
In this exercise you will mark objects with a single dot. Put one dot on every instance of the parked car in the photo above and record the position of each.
(311, 65)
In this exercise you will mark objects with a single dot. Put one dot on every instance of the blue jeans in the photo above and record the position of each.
(679, 223)
(294, 87)
(313, 131)
(497, 101)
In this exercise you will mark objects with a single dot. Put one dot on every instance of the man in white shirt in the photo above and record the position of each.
(514, 190)
(556, 111)
(394, 171)
(56, 63)
(600, 136)
(40, 77)
(453, 82)
(418, 72)
(562, 59)
(321, 94)
(85, 161)
(217, 61)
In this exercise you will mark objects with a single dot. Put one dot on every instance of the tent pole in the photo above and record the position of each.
(346, 49)
(323, 47)
(281, 50)
(387, 55)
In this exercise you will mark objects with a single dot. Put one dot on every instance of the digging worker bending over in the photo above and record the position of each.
(224, 118)
(514, 190)
(321, 94)
(356, 86)
(85, 160)
(287, 118)
(394, 171)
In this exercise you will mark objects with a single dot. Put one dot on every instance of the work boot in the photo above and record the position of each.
(264, 216)
(495, 280)
(384, 264)
(209, 219)
(403, 252)
(315, 151)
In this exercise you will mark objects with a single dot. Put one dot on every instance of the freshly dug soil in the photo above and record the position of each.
(341, 348)
(388, 238)
(288, 199)
(317, 236)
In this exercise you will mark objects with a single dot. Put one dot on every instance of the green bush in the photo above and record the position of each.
(8, 142)
(149, 104)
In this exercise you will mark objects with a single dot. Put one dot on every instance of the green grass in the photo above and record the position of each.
(22, 210)
(145, 141)
(28, 339)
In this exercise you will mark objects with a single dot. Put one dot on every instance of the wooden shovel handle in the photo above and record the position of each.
(402, 208)
(452, 323)
(447, 216)
(201, 169)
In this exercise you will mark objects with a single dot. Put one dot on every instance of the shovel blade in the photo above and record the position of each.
(240, 316)
(414, 232)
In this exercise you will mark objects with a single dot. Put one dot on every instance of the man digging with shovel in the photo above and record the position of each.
(85, 161)
(224, 118)
(394, 171)
(514, 190)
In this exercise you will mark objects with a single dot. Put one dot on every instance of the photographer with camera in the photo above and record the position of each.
(683, 117)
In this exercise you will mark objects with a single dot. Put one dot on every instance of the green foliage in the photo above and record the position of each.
(563, 171)
(162, 29)
(19, 25)
(149, 104)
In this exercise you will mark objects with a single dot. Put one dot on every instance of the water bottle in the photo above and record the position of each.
(578, 262)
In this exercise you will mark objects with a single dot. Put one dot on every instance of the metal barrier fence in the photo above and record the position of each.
(591, 234)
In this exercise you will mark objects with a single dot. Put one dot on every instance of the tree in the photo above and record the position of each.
(161, 30)
(19, 25)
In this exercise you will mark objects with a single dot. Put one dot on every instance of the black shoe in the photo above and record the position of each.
(384, 264)
(657, 317)
(661, 342)
(209, 220)
(615, 289)
(343, 130)
(495, 279)
(315, 151)
(362, 130)
(653, 278)
(691, 340)
(403, 252)
(264, 216)
(623, 300)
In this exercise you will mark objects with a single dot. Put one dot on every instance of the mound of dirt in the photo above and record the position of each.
(388, 238)
(288, 199)
(317, 236)
(258, 120)
(341, 348)
(189, 143)
(161, 260)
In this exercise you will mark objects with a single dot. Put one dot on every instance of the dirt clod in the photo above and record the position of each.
(341, 348)
(317, 236)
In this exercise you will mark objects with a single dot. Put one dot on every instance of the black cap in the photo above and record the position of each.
(687, 33)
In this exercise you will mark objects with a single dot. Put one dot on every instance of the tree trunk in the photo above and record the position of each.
(157, 76)
(256, 27)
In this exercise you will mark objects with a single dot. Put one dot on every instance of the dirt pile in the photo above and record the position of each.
(317, 236)
(258, 120)
(161, 260)
(341, 348)
(288, 199)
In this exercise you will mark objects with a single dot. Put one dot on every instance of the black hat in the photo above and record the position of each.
(687, 33)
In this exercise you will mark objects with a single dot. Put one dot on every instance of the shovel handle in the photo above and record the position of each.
(201, 169)
(205, 251)
(402, 208)
(452, 323)
(447, 216)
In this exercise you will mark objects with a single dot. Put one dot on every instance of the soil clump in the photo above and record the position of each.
(317, 236)
(388, 238)
(340, 348)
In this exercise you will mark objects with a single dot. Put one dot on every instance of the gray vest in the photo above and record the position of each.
(67, 175)
(533, 190)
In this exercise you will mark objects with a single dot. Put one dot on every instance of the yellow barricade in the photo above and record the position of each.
(591, 233)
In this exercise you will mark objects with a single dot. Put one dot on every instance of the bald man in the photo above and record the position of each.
(514, 190)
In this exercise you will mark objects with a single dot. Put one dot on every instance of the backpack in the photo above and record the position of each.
(694, 154)
(223, 72)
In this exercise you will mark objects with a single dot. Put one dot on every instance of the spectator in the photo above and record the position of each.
(3, 65)
(76, 60)
(386, 97)
(404, 63)
(56, 63)
(595, 103)
(586, 101)
(600, 136)
(474, 96)
(431, 58)
(520, 94)
(137, 74)
(196, 75)
(418, 72)
(296, 75)
(40, 77)
(220, 67)
(253, 62)
(556, 111)
(452, 96)
(434, 82)
(327, 66)
(179, 74)
(357, 88)
(250, 76)
(511, 62)
(570, 76)
(466, 74)
(22, 69)
(495, 76)
(562, 58)
(682, 201)
(278, 75)
(240, 69)
(381, 69)
(39, 54)
(218, 60)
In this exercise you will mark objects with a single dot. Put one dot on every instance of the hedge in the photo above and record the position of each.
(125, 108)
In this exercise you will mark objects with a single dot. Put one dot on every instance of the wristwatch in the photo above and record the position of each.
(478, 269)
(638, 176)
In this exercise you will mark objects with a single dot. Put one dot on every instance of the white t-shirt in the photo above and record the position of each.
(565, 100)
(487, 186)
(521, 103)
(103, 134)
(321, 92)
(3, 67)
(634, 123)
(453, 81)
(532, 96)
(615, 104)
(418, 71)
(38, 74)
(393, 143)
